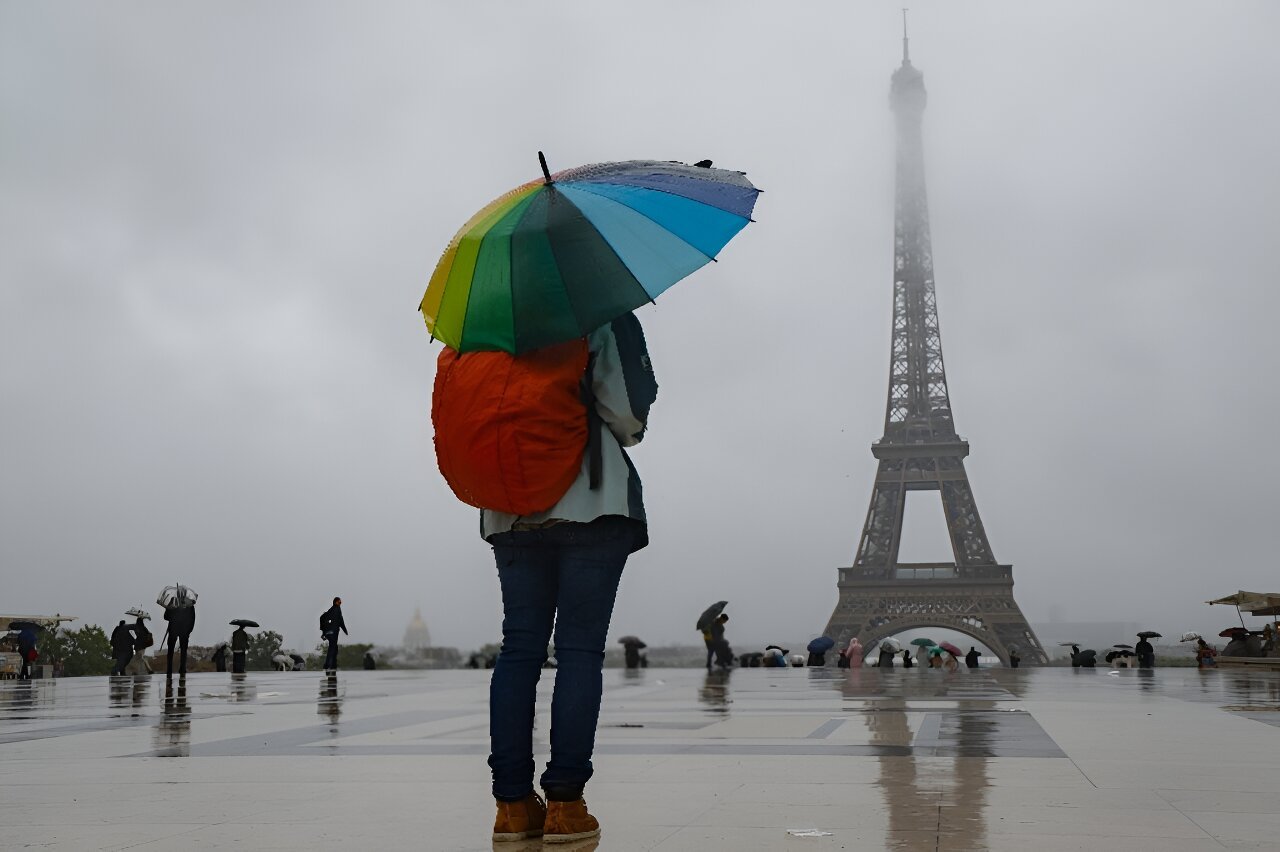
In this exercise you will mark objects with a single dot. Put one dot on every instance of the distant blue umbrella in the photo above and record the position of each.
(821, 645)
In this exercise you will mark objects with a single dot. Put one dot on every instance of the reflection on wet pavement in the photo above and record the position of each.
(173, 731)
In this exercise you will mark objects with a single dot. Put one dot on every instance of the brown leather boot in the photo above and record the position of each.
(520, 820)
(569, 821)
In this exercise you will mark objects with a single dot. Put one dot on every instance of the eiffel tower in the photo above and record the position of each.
(921, 451)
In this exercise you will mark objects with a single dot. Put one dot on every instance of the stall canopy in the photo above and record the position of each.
(50, 621)
(1256, 603)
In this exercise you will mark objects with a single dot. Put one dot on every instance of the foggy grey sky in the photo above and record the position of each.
(217, 221)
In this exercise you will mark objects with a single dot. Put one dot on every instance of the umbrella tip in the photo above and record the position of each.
(546, 174)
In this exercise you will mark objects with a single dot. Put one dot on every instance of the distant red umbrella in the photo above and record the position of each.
(1234, 631)
(951, 649)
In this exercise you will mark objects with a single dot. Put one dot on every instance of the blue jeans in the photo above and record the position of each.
(567, 576)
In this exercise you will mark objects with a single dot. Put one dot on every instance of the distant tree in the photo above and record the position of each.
(262, 647)
(86, 651)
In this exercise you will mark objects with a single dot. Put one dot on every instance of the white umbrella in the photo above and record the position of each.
(177, 595)
(1190, 636)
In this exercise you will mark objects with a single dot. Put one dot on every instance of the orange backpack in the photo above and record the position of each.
(511, 430)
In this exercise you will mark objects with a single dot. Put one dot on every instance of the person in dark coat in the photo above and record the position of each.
(971, 658)
(220, 657)
(239, 649)
(1075, 656)
(1014, 659)
(26, 651)
(330, 623)
(142, 640)
(1146, 654)
(369, 662)
(182, 620)
(714, 638)
(886, 657)
(121, 647)
(906, 660)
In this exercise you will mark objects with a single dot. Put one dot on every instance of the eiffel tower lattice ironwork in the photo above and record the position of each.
(921, 451)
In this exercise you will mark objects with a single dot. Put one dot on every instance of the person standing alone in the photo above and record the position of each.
(239, 649)
(330, 623)
(121, 647)
(182, 620)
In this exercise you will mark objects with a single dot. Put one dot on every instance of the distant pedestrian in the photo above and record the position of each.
(1075, 656)
(182, 620)
(1146, 653)
(369, 662)
(853, 653)
(816, 659)
(330, 623)
(971, 658)
(935, 657)
(886, 657)
(713, 636)
(142, 640)
(1206, 655)
(1014, 659)
(950, 663)
(239, 649)
(121, 647)
(906, 660)
(27, 651)
(220, 657)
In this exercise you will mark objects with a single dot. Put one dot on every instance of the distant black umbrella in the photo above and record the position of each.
(1122, 645)
(776, 648)
(243, 622)
(25, 625)
(1150, 634)
(1088, 653)
(1068, 644)
(633, 641)
(821, 645)
(710, 614)
(1231, 632)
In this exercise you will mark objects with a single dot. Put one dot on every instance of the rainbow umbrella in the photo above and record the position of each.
(559, 257)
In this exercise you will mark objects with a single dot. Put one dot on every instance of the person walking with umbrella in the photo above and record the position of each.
(631, 648)
(142, 640)
(1145, 651)
(330, 623)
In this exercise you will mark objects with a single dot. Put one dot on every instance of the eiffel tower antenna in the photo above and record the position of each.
(906, 53)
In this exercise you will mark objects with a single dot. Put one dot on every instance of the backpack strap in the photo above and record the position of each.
(595, 457)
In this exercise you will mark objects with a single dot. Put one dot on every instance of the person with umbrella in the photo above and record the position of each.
(142, 640)
(717, 645)
(1145, 651)
(220, 656)
(631, 648)
(1206, 655)
(181, 615)
(818, 649)
(121, 647)
(542, 283)
(889, 648)
(239, 649)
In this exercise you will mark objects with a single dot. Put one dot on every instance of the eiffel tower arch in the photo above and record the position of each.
(921, 451)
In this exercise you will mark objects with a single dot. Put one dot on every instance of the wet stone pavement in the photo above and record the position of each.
(1032, 759)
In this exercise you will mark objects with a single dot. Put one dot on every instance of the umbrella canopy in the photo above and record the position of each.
(1068, 644)
(951, 649)
(138, 612)
(177, 595)
(243, 622)
(922, 642)
(821, 645)
(632, 640)
(19, 626)
(935, 651)
(1234, 631)
(1257, 603)
(1088, 653)
(710, 614)
(890, 644)
(1122, 645)
(1150, 634)
(1190, 636)
(558, 257)
(776, 648)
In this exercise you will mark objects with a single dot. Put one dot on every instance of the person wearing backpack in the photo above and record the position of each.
(559, 566)
(330, 623)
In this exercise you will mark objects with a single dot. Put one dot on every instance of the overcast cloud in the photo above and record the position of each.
(216, 222)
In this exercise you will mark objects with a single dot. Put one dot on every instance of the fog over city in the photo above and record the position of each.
(217, 222)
